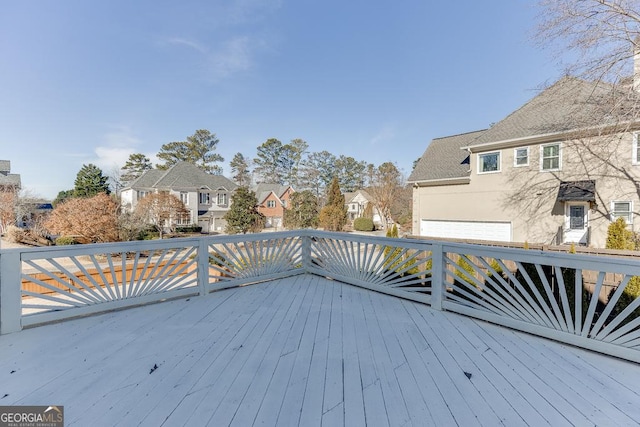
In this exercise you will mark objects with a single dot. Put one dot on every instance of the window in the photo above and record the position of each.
(550, 157)
(222, 199)
(576, 217)
(142, 194)
(489, 162)
(204, 198)
(184, 219)
(184, 197)
(271, 203)
(622, 209)
(635, 157)
(521, 157)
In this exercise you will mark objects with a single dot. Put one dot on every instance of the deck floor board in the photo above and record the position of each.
(309, 351)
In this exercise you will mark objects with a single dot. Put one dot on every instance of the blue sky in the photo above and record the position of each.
(92, 82)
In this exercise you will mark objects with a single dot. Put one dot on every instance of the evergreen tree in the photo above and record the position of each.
(90, 181)
(269, 163)
(134, 167)
(243, 215)
(303, 211)
(240, 170)
(197, 149)
(333, 215)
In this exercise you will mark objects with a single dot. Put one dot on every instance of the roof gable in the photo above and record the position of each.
(182, 175)
(567, 105)
(444, 158)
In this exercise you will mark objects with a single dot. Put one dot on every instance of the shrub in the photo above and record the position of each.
(189, 229)
(619, 237)
(66, 240)
(363, 224)
(16, 234)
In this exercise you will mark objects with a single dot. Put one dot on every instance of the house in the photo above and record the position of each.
(557, 170)
(357, 202)
(273, 199)
(9, 186)
(207, 197)
(8, 181)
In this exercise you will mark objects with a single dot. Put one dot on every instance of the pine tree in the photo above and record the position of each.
(333, 215)
(243, 215)
(90, 181)
(197, 149)
(134, 167)
(303, 211)
(240, 170)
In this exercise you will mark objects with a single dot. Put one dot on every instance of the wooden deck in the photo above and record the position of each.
(309, 351)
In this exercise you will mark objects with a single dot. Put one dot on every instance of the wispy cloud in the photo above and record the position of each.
(118, 145)
(225, 58)
(384, 135)
(179, 41)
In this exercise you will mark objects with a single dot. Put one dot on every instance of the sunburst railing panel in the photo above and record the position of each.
(395, 266)
(64, 282)
(580, 299)
(253, 258)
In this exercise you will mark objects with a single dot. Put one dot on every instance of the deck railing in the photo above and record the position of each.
(584, 300)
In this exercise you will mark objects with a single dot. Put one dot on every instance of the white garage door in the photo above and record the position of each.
(473, 230)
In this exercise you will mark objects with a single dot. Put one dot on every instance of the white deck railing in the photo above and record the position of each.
(582, 300)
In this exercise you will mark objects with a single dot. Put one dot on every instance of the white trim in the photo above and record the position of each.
(515, 157)
(542, 147)
(479, 155)
(612, 217)
(634, 150)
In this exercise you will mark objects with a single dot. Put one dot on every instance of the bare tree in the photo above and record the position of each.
(161, 210)
(88, 220)
(384, 182)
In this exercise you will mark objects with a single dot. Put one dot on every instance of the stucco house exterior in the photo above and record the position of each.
(273, 199)
(207, 197)
(557, 170)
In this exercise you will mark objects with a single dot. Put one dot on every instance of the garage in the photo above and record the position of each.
(468, 230)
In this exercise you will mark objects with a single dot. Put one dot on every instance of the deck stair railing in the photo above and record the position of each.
(584, 300)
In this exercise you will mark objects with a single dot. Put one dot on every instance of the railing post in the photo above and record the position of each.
(437, 276)
(203, 266)
(10, 292)
(306, 252)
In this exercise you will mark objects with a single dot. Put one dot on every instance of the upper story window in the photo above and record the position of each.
(521, 156)
(622, 209)
(271, 203)
(550, 157)
(222, 199)
(184, 197)
(635, 155)
(204, 198)
(489, 162)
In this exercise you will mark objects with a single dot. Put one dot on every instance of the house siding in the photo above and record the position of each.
(526, 197)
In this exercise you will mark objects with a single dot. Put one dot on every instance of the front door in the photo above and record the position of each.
(576, 223)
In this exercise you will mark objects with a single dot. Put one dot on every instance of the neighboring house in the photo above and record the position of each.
(207, 197)
(273, 199)
(356, 203)
(9, 186)
(547, 173)
(8, 181)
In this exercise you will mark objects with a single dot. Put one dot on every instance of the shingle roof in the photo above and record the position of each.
(444, 159)
(182, 175)
(264, 189)
(568, 104)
